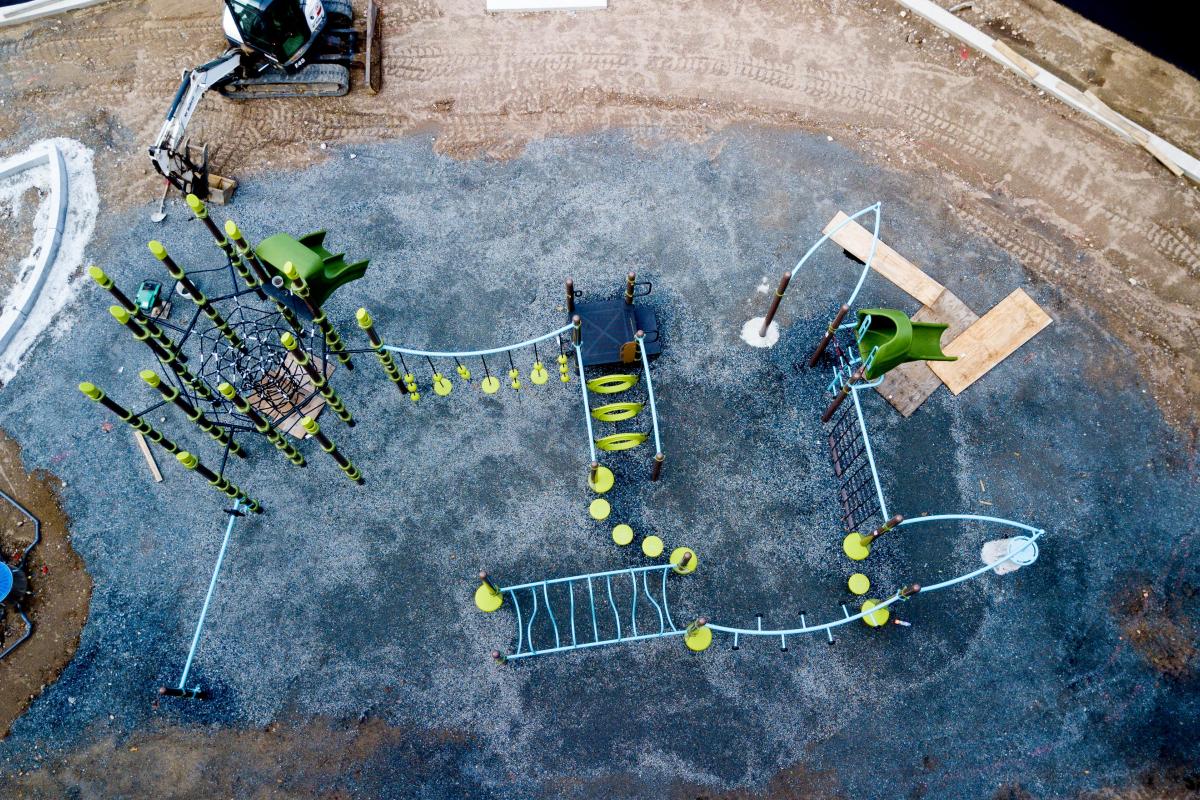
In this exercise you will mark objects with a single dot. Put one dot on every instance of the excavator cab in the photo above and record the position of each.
(279, 30)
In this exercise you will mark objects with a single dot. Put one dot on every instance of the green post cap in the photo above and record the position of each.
(196, 206)
(364, 319)
(226, 391)
(119, 314)
(150, 377)
(157, 249)
(288, 340)
(100, 276)
(91, 390)
(290, 270)
(309, 424)
(187, 459)
(231, 229)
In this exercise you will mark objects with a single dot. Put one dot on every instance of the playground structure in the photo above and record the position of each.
(598, 334)
(859, 353)
(263, 360)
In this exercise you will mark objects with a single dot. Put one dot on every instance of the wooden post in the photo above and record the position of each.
(783, 285)
(576, 330)
(910, 590)
(881, 530)
(486, 581)
(385, 358)
(630, 279)
(828, 337)
(197, 296)
(313, 429)
(570, 296)
(656, 470)
(842, 394)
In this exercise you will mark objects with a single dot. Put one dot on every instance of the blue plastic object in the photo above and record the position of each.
(6, 582)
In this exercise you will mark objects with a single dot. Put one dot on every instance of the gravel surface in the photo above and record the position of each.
(346, 603)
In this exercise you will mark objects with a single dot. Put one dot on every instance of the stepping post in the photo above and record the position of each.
(261, 425)
(218, 482)
(488, 598)
(570, 296)
(314, 430)
(133, 420)
(842, 394)
(172, 395)
(385, 358)
(317, 376)
(197, 296)
(630, 280)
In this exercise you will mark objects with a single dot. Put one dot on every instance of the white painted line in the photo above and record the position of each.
(1160, 148)
(547, 5)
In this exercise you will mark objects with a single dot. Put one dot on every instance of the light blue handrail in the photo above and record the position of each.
(825, 237)
(650, 394)
(212, 585)
(477, 353)
(828, 626)
(587, 408)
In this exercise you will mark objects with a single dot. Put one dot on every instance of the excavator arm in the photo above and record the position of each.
(169, 151)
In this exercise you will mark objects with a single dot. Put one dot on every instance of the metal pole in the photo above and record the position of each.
(218, 482)
(881, 530)
(783, 285)
(842, 394)
(828, 337)
(570, 296)
(316, 375)
(134, 421)
(167, 357)
(630, 279)
(261, 425)
(208, 309)
(172, 395)
(314, 430)
(101, 278)
(385, 358)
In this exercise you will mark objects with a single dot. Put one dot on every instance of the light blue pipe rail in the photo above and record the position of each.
(212, 585)
(875, 209)
(478, 353)
(828, 627)
(587, 407)
(650, 394)
(638, 586)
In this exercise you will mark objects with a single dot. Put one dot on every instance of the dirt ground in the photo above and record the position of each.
(60, 584)
(1022, 170)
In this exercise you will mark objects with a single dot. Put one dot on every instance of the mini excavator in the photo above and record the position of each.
(278, 48)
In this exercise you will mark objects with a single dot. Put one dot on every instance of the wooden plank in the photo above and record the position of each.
(991, 339)
(149, 456)
(856, 240)
(1046, 80)
(909, 385)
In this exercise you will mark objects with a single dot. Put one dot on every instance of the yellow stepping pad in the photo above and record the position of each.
(603, 482)
(487, 600)
(652, 546)
(875, 618)
(859, 583)
(699, 639)
(622, 534)
(599, 509)
(853, 547)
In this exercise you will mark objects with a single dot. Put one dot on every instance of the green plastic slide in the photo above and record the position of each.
(323, 271)
(899, 340)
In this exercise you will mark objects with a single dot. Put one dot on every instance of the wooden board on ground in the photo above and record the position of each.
(991, 339)
(909, 385)
(289, 384)
(149, 456)
(856, 240)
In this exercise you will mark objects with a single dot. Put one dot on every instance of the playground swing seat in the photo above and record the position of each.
(899, 340)
(323, 271)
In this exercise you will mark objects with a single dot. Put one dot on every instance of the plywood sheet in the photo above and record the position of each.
(856, 239)
(909, 385)
(991, 339)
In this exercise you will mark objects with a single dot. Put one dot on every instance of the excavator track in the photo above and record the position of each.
(314, 80)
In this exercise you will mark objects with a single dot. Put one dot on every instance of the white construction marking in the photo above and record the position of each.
(63, 223)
